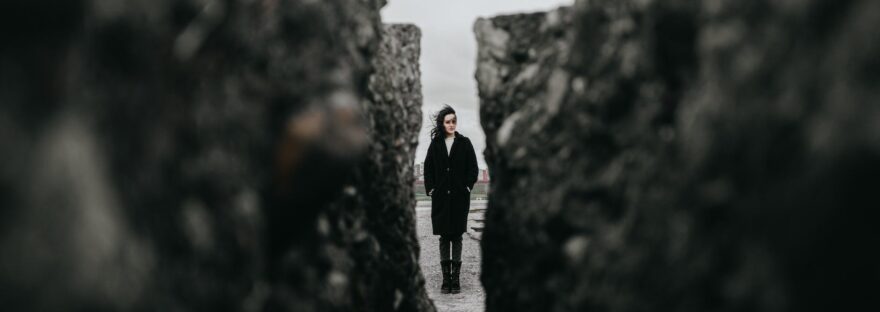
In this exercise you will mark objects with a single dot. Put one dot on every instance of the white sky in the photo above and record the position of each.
(449, 56)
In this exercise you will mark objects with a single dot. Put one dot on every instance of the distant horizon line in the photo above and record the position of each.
(422, 163)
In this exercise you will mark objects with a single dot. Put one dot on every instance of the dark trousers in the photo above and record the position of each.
(453, 241)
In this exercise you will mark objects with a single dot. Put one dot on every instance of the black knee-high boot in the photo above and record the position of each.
(446, 266)
(456, 270)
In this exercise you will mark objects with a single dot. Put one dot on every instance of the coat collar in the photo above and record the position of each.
(455, 140)
(458, 136)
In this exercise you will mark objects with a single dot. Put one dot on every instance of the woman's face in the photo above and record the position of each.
(449, 122)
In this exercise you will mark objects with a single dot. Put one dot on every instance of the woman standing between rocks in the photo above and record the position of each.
(450, 173)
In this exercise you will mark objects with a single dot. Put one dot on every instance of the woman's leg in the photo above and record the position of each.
(445, 265)
(455, 270)
(444, 248)
(456, 248)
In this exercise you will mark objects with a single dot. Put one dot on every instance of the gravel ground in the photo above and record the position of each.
(471, 298)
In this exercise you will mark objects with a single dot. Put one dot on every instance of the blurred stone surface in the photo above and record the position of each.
(380, 202)
(517, 57)
(196, 155)
(520, 60)
(693, 156)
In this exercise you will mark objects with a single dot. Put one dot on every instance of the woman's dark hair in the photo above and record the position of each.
(438, 130)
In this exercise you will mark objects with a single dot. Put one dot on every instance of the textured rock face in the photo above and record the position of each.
(383, 235)
(205, 155)
(701, 156)
(520, 59)
(517, 58)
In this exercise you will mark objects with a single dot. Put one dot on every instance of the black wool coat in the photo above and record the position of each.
(449, 177)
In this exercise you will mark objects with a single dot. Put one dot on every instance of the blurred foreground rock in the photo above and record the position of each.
(207, 156)
(683, 156)
(380, 203)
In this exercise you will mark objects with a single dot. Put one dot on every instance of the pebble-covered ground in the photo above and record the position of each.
(471, 298)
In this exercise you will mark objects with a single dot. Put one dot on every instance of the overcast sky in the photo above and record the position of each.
(449, 56)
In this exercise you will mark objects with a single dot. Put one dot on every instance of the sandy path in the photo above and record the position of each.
(471, 298)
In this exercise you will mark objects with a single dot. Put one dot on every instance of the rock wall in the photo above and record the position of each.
(517, 56)
(381, 205)
(198, 154)
(688, 156)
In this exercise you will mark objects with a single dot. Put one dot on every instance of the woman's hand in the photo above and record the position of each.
(431, 191)
(469, 189)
